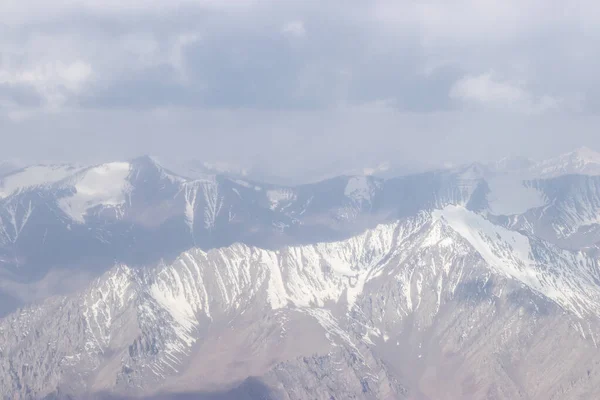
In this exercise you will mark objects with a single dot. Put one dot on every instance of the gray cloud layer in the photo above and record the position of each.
(257, 81)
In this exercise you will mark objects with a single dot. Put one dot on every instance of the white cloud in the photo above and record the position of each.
(16, 12)
(471, 35)
(177, 57)
(468, 21)
(294, 28)
(488, 91)
(54, 82)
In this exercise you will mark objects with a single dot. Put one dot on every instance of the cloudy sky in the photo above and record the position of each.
(297, 86)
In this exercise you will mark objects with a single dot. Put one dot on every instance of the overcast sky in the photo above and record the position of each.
(295, 86)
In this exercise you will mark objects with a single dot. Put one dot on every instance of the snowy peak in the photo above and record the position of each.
(110, 186)
(146, 169)
(583, 161)
(580, 161)
(567, 278)
(146, 162)
(584, 155)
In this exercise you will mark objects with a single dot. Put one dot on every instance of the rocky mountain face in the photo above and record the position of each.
(472, 283)
(444, 303)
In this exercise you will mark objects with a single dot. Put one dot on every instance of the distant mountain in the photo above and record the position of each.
(583, 161)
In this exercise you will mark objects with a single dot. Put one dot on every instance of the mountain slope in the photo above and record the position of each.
(444, 303)
(569, 215)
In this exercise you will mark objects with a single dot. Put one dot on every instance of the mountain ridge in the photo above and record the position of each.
(139, 212)
(139, 325)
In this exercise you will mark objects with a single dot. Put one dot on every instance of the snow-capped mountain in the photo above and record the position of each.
(583, 161)
(479, 281)
(422, 307)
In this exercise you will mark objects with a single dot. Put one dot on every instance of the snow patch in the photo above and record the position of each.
(104, 185)
(33, 176)
(278, 196)
(359, 189)
(246, 184)
(276, 293)
(213, 203)
(190, 192)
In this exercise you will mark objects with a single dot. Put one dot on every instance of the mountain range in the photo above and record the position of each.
(129, 279)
